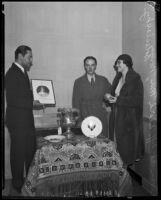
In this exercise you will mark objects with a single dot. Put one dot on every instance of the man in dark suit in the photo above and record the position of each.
(88, 93)
(19, 115)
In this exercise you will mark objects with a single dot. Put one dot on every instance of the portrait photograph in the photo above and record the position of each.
(43, 91)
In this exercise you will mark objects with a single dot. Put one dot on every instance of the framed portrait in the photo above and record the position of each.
(43, 91)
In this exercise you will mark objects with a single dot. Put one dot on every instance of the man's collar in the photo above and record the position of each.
(89, 77)
(18, 65)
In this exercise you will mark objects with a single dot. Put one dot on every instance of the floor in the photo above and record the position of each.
(138, 190)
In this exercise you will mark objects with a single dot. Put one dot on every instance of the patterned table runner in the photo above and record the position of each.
(77, 167)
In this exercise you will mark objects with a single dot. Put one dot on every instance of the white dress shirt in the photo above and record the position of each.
(90, 77)
(18, 65)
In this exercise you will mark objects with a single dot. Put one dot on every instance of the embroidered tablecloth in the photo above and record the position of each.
(77, 167)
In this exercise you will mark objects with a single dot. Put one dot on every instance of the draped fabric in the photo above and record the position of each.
(79, 167)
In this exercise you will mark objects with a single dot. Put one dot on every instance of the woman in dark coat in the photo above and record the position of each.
(128, 111)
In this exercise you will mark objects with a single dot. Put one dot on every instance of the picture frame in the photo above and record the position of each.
(43, 91)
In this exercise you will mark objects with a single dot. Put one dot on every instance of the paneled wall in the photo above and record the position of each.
(61, 35)
(139, 40)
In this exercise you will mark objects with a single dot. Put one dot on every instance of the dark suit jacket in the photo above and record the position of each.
(19, 99)
(89, 99)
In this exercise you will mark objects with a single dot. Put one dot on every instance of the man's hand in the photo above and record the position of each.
(107, 96)
(37, 105)
(112, 99)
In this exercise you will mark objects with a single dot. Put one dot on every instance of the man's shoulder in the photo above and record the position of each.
(80, 79)
(103, 78)
(10, 69)
(13, 71)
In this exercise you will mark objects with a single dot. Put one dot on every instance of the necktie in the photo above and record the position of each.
(92, 81)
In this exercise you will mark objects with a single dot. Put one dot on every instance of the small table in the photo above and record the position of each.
(77, 167)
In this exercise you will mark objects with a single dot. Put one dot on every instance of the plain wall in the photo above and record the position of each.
(61, 35)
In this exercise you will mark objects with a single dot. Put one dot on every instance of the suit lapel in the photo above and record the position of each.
(27, 78)
(24, 75)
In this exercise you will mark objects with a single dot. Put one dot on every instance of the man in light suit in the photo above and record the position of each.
(88, 93)
(19, 115)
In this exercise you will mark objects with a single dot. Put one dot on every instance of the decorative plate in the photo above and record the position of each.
(91, 126)
(54, 138)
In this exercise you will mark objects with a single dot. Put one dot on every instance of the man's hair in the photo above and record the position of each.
(126, 60)
(90, 57)
(22, 50)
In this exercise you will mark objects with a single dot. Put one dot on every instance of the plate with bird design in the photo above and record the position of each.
(91, 126)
